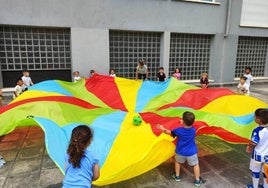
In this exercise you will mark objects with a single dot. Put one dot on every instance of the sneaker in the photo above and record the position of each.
(176, 178)
(198, 183)
(2, 163)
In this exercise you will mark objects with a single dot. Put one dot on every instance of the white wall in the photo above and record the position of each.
(90, 50)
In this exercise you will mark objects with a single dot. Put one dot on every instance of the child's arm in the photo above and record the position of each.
(163, 129)
(250, 147)
(96, 172)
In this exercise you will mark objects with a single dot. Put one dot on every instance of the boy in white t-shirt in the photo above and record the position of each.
(258, 146)
(242, 87)
(76, 76)
(27, 81)
(18, 88)
(248, 75)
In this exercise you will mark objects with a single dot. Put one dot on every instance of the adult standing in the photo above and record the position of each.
(142, 70)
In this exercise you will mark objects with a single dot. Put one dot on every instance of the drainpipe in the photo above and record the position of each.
(228, 16)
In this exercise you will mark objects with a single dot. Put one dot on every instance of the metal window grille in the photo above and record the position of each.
(252, 52)
(127, 47)
(34, 48)
(190, 53)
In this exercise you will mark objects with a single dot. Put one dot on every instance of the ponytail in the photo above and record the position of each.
(80, 139)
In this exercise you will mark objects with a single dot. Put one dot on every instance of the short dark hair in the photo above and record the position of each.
(243, 77)
(92, 71)
(17, 80)
(188, 118)
(262, 114)
(25, 70)
(249, 68)
(162, 68)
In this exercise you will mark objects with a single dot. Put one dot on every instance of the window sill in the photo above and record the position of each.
(202, 2)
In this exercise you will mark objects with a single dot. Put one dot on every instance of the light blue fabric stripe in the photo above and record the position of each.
(50, 86)
(106, 129)
(149, 90)
(244, 120)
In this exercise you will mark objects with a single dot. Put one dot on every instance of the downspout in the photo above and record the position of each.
(228, 16)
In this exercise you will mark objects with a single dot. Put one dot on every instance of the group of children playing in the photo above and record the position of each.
(22, 83)
(82, 166)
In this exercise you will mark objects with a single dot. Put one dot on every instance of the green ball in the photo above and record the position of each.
(137, 120)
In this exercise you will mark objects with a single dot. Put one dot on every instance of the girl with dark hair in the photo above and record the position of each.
(81, 166)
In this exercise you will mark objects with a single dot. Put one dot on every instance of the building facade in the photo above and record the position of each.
(53, 38)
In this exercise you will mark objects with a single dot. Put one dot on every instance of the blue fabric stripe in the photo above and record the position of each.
(50, 86)
(106, 129)
(149, 90)
(244, 120)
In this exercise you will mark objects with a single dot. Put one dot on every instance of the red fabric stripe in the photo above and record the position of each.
(64, 99)
(105, 88)
(198, 98)
(201, 127)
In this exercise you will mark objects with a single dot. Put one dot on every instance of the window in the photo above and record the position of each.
(127, 47)
(190, 53)
(34, 48)
(251, 51)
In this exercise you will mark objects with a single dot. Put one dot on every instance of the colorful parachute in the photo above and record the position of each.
(108, 106)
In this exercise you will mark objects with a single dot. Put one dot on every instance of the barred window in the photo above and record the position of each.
(252, 52)
(34, 48)
(127, 47)
(190, 53)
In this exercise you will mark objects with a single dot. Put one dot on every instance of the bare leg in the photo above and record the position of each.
(196, 172)
(177, 168)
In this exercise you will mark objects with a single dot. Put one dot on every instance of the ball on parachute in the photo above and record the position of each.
(137, 120)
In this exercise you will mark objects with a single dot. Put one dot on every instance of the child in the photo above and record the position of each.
(248, 75)
(259, 147)
(186, 149)
(27, 81)
(204, 80)
(18, 88)
(161, 75)
(76, 76)
(242, 87)
(112, 74)
(81, 166)
(177, 73)
(141, 71)
(92, 72)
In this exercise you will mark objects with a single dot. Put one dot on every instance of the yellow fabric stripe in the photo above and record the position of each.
(128, 90)
(135, 150)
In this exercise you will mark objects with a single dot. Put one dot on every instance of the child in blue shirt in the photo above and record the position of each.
(186, 149)
(81, 166)
(258, 146)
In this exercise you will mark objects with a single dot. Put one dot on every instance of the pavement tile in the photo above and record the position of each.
(2, 181)
(4, 171)
(9, 146)
(32, 152)
(25, 166)
(26, 180)
(236, 176)
(9, 155)
(51, 178)
(32, 142)
(47, 163)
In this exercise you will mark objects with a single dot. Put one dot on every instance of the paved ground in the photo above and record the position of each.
(223, 165)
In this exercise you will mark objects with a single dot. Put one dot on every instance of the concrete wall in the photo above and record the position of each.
(90, 50)
(91, 20)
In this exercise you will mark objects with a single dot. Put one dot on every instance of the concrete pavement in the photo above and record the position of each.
(223, 165)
